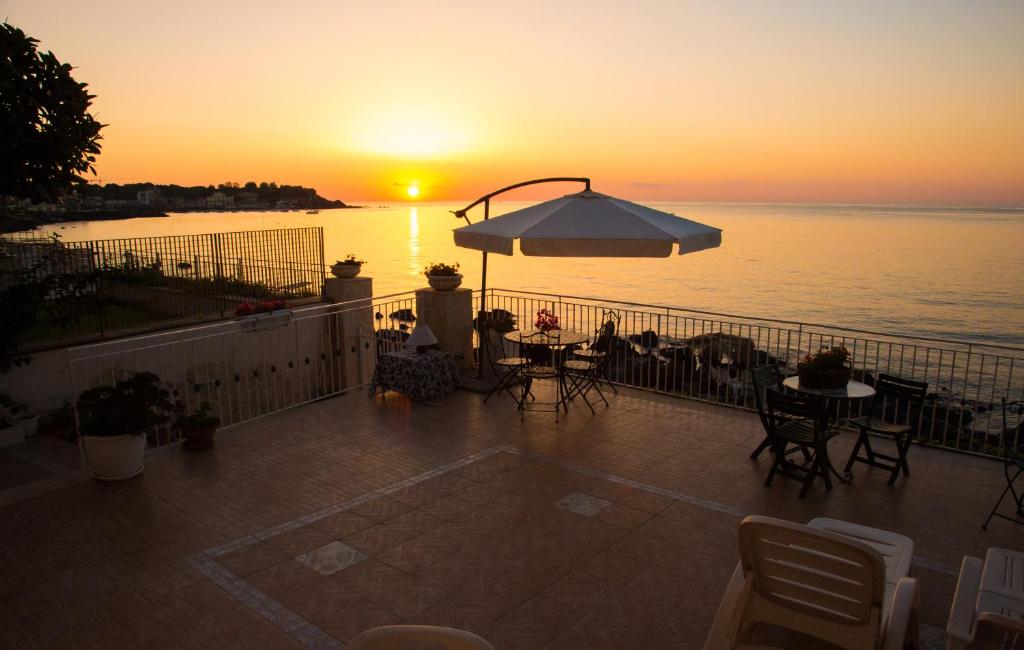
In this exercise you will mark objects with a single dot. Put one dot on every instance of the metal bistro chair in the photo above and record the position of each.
(580, 377)
(763, 378)
(509, 370)
(1013, 463)
(895, 411)
(543, 366)
(600, 351)
(802, 421)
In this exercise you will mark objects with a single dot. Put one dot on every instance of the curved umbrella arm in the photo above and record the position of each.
(461, 214)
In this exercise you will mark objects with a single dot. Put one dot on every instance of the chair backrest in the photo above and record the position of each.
(812, 581)
(1012, 436)
(782, 407)
(538, 347)
(899, 400)
(763, 378)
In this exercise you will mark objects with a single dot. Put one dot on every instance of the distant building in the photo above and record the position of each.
(220, 201)
(148, 197)
(247, 199)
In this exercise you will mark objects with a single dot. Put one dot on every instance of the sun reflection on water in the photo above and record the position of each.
(414, 264)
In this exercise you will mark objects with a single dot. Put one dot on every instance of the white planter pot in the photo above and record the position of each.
(29, 425)
(115, 458)
(12, 435)
(346, 271)
(445, 282)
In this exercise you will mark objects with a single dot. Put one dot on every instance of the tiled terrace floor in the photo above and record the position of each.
(609, 531)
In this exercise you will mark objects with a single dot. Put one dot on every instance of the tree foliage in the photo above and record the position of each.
(39, 286)
(49, 137)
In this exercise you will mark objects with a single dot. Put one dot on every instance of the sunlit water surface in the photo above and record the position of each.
(945, 273)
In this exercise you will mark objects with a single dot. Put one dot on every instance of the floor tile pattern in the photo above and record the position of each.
(454, 511)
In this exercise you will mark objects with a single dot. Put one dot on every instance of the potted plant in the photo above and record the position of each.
(262, 315)
(347, 268)
(11, 431)
(198, 428)
(443, 277)
(828, 368)
(546, 321)
(113, 422)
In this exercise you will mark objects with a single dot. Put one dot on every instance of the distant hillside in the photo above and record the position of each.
(113, 201)
(266, 194)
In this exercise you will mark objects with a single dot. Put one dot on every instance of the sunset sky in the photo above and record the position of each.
(908, 102)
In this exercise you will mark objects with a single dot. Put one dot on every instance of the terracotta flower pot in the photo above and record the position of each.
(445, 282)
(198, 437)
(824, 379)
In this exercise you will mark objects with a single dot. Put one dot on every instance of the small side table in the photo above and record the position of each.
(420, 377)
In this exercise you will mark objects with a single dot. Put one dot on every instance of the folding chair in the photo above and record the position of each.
(1013, 463)
(895, 411)
(802, 421)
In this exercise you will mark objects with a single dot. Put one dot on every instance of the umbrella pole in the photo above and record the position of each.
(483, 304)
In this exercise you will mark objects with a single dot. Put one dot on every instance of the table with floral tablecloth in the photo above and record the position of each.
(419, 376)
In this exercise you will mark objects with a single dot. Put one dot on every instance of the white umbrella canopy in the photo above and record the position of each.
(588, 224)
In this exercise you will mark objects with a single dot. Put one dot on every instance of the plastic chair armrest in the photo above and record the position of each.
(902, 615)
(960, 625)
(393, 637)
(1011, 625)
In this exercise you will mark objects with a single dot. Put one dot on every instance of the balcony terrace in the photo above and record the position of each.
(309, 525)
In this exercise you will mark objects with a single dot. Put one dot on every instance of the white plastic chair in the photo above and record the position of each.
(988, 606)
(820, 583)
(399, 637)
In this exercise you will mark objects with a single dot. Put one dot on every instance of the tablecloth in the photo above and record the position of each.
(420, 377)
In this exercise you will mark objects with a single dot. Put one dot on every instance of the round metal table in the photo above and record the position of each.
(557, 338)
(852, 390)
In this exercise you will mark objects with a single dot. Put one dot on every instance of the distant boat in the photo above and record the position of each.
(312, 212)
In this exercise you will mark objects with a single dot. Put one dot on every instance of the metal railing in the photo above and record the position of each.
(708, 356)
(143, 283)
(251, 367)
(246, 369)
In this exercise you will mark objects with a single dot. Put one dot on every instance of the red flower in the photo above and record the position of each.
(244, 309)
(546, 321)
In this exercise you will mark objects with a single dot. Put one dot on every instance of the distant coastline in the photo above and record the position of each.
(113, 201)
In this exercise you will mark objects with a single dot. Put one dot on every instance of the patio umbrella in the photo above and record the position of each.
(585, 224)
(588, 224)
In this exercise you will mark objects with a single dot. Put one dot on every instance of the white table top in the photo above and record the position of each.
(852, 390)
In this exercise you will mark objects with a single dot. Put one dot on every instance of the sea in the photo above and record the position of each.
(942, 272)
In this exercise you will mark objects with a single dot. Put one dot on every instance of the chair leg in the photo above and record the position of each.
(814, 471)
(868, 450)
(901, 462)
(999, 502)
(765, 444)
(856, 450)
(777, 460)
(577, 388)
(826, 466)
(504, 384)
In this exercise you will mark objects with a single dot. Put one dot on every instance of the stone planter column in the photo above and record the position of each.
(449, 315)
(348, 336)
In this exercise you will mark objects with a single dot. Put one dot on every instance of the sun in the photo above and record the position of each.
(413, 191)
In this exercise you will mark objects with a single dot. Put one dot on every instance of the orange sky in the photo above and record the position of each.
(911, 102)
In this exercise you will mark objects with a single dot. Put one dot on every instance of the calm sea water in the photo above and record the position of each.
(948, 273)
